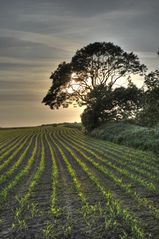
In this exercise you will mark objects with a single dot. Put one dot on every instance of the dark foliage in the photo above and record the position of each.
(57, 95)
(149, 114)
(107, 104)
(89, 79)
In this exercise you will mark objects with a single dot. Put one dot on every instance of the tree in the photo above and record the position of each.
(106, 104)
(149, 114)
(127, 101)
(93, 72)
(100, 107)
(57, 94)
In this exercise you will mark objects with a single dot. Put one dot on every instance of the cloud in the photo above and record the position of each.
(69, 24)
(36, 35)
(19, 96)
(13, 47)
(16, 66)
(74, 8)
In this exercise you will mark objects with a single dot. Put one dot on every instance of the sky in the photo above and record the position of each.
(36, 35)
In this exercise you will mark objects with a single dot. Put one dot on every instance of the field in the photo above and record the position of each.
(55, 182)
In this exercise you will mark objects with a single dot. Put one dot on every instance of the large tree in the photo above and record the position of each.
(94, 71)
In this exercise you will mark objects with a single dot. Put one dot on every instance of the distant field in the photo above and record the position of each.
(55, 182)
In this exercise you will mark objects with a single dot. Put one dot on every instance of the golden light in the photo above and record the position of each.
(73, 85)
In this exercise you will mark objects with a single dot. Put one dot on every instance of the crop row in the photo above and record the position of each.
(142, 201)
(23, 201)
(23, 172)
(140, 167)
(104, 167)
(140, 176)
(113, 205)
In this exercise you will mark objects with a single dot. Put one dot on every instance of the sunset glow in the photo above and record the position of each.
(35, 37)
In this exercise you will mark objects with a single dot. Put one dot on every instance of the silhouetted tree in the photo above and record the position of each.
(91, 76)
(57, 94)
(100, 107)
(107, 104)
(127, 101)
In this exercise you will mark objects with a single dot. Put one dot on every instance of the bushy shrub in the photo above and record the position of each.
(129, 134)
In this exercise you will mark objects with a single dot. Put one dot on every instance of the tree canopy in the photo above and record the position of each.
(99, 63)
(111, 104)
(92, 78)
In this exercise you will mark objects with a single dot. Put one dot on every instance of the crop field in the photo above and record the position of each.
(56, 182)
